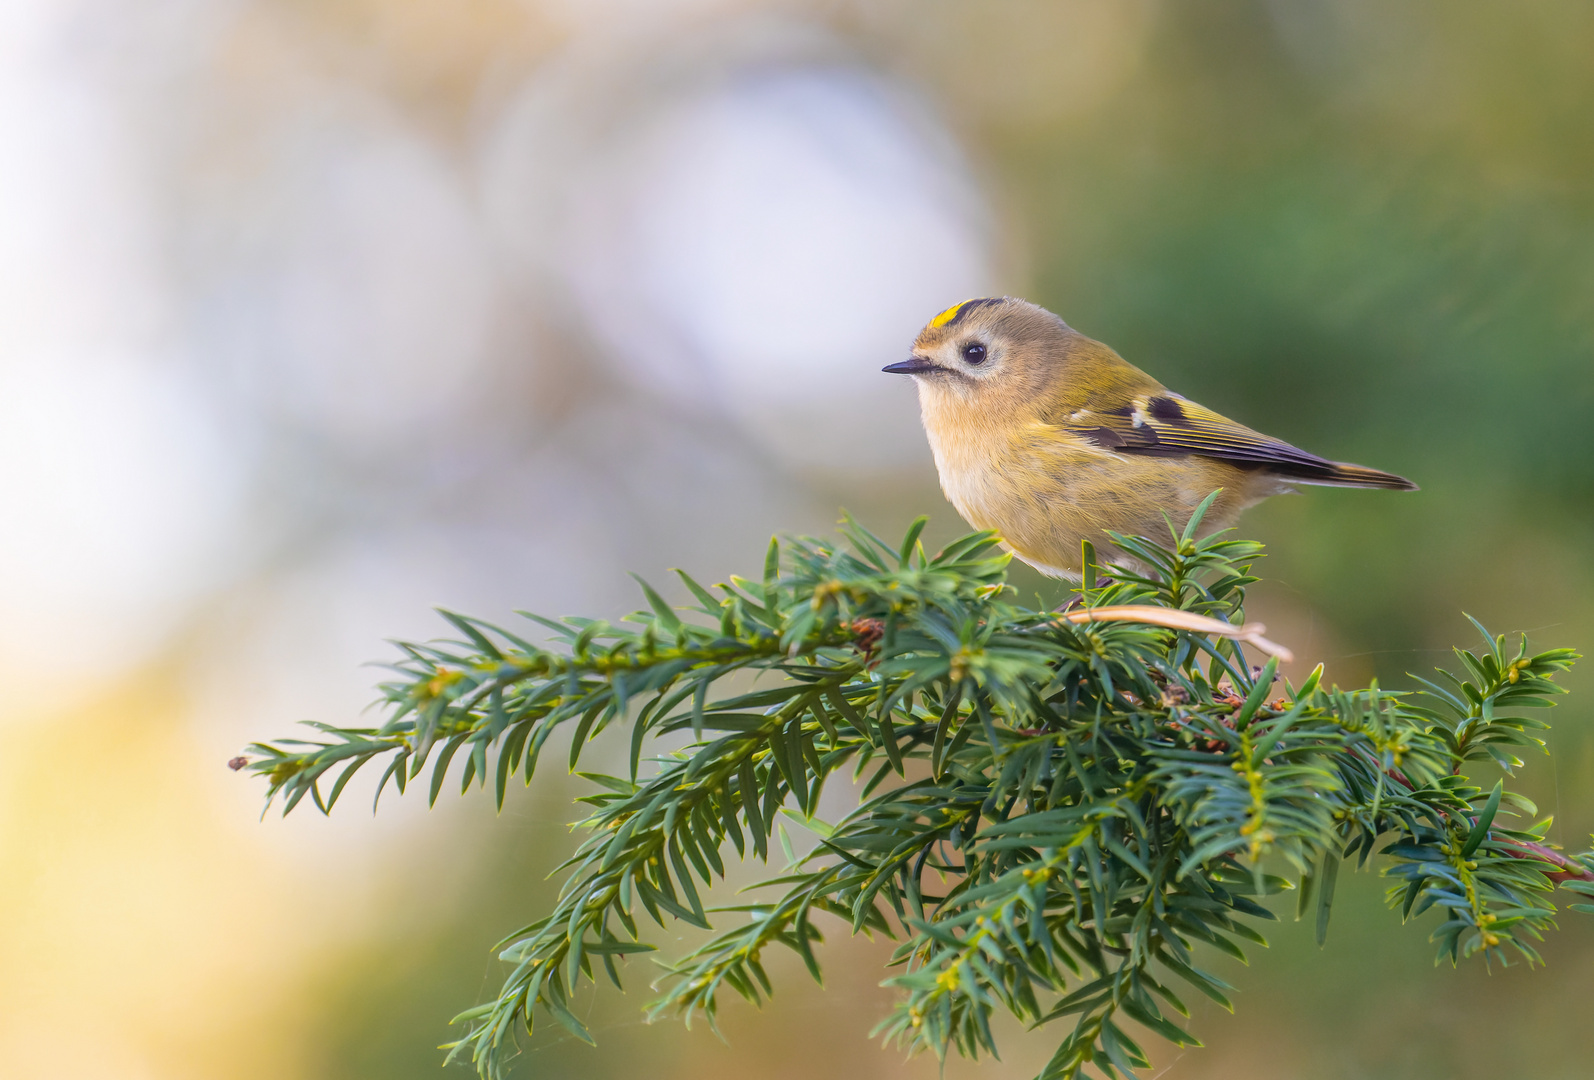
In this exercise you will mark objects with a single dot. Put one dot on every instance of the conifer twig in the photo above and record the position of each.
(1063, 818)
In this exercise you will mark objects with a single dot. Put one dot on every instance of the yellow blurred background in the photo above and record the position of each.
(316, 315)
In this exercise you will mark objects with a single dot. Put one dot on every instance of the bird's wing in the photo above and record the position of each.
(1167, 425)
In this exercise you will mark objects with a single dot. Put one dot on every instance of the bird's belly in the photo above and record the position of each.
(1045, 503)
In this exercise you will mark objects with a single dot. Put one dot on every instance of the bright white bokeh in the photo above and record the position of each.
(758, 244)
(347, 289)
(118, 493)
(120, 496)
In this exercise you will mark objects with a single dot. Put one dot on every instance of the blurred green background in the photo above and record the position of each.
(482, 303)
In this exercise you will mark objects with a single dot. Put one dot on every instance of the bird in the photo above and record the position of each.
(1050, 438)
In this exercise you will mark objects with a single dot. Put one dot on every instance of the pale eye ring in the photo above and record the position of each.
(974, 353)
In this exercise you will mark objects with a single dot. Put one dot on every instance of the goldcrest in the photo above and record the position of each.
(1050, 438)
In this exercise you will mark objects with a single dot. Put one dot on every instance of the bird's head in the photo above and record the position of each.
(991, 354)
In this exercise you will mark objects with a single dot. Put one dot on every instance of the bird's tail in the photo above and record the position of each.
(1344, 474)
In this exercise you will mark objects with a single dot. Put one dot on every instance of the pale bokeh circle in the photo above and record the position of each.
(758, 243)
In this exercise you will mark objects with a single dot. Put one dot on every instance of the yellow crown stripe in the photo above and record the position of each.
(957, 311)
(949, 314)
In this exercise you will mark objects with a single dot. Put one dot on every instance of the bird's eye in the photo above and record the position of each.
(974, 353)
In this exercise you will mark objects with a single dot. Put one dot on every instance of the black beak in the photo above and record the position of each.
(913, 365)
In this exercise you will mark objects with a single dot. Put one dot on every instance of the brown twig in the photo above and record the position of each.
(1571, 869)
(867, 634)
